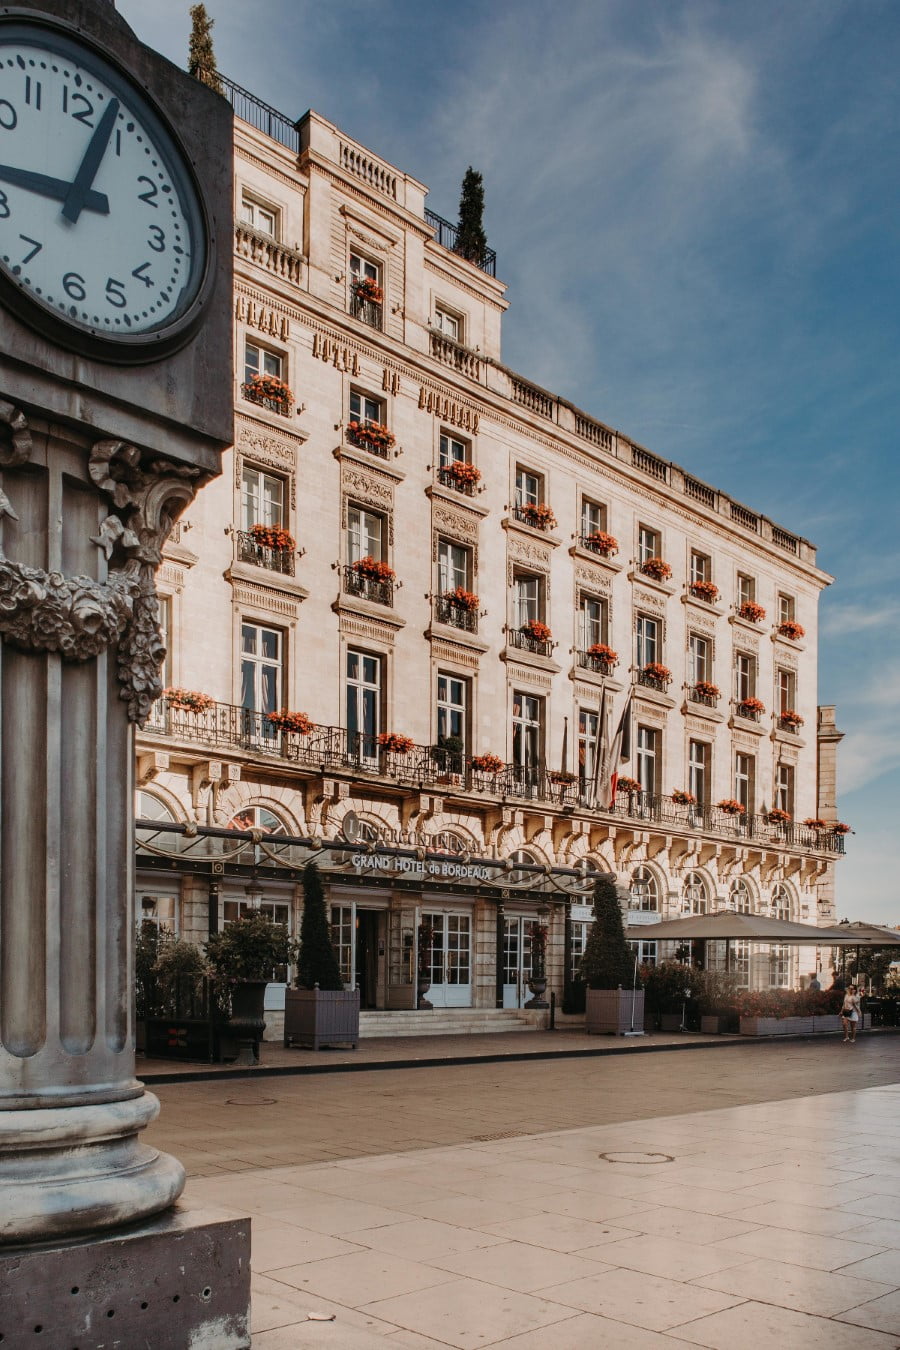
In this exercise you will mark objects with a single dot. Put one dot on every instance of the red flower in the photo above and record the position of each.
(367, 289)
(537, 631)
(705, 590)
(462, 472)
(540, 516)
(752, 611)
(602, 543)
(731, 807)
(791, 629)
(291, 721)
(273, 536)
(374, 568)
(396, 744)
(462, 598)
(656, 568)
(603, 653)
(487, 763)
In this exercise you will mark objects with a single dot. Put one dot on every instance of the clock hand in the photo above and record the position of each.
(55, 188)
(87, 170)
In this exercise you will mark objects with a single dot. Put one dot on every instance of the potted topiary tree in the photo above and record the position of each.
(320, 1011)
(245, 955)
(607, 968)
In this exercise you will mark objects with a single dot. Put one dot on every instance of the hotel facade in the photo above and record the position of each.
(451, 579)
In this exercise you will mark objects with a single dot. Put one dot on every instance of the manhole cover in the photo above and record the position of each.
(637, 1159)
(250, 1101)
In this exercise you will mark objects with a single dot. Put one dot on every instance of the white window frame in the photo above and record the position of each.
(593, 517)
(699, 769)
(648, 754)
(367, 694)
(260, 216)
(366, 533)
(744, 779)
(262, 497)
(260, 360)
(367, 408)
(785, 690)
(452, 450)
(648, 640)
(649, 543)
(593, 621)
(362, 269)
(529, 487)
(744, 676)
(787, 607)
(746, 589)
(785, 779)
(448, 323)
(527, 729)
(256, 662)
(528, 599)
(454, 566)
(452, 706)
(701, 566)
(699, 657)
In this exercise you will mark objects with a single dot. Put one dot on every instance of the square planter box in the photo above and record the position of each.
(317, 1017)
(609, 1010)
(826, 1023)
(718, 1024)
(670, 1021)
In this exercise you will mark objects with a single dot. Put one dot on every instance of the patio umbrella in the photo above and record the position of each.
(728, 925)
(870, 935)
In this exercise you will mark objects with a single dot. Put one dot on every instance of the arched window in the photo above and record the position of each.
(644, 890)
(446, 841)
(515, 877)
(150, 807)
(781, 902)
(694, 895)
(740, 897)
(257, 818)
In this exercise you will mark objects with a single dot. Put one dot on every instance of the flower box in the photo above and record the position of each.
(296, 722)
(750, 707)
(791, 629)
(371, 436)
(682, 798)
(462, 599)
(598, 541)
(537, 631)
(778, 817)
(603, 653)
(777, 1026)
(373, 568)
(460, 473)
(628, 785)
(656, 568)
(790, 720)
(188, 700)
(273, 536)
(269, 392)
(751, 611)
(707, 689)
(540, 517)
(394, 743)
(487, 763)
(731, 807)
(718, 1024)
(705, 590)
(367, 291)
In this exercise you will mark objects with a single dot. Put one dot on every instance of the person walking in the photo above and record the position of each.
(850, 1014)
(814, 982)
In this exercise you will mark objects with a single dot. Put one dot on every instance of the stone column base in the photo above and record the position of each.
(181, 1280)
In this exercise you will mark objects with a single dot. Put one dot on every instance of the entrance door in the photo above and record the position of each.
(367, 956)
(451, 961)
(516, 961)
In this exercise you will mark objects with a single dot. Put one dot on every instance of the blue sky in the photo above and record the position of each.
(695, 207)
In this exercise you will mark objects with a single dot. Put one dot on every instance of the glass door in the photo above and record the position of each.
(451, 960)
(516, 961)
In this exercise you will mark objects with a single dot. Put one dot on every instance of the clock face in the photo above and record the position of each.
(101, 227)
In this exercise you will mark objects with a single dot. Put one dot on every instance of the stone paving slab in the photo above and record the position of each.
(397, 1264)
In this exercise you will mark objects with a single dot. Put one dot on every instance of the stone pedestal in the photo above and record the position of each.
(180, 1280)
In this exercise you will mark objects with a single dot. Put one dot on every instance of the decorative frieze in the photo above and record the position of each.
(444, 651)
(529, 675)
(648, 600)
(351, 625)
(590, 578)
(264, 598)
(340, 356)
(390, 381)
(365, 486)
(533, 554)
(455, 521)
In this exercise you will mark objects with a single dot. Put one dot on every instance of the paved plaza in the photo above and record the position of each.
(714, 1198)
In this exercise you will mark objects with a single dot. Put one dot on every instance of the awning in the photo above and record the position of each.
(728, 925)
(871, 934)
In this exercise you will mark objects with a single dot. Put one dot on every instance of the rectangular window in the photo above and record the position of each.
(579, 940)
(261, 361)
(746, 588)
(273, 910)
(648, 543)
(452, 704)
(529, 488)
(160, 911)
(786, 690)
(744, 677)
(593, 517)
(361, 269)
(784, 788)
(262, 498)
(744, 781)
(364, 408)
(528, 600)
(448, 324)
(454, 566)
(342, 939)
(699, 658)
(701, 566)
(365, 534)
(363, 704)
(588, 739)
(645, 952)
(263, 219)
(261, 668)
(592, 622)
(648, 643)
(786, 607)
(780, 965)
(648, 742)
(452, 451)
(527, 720)
(699, 755)
(165, 632)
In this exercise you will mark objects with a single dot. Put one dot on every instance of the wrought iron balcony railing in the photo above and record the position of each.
(704, 699)
(248, 550)
(651, 681)
(446, 235)
(378, 589)
(450, 479)
(747, 711)
(600, 665)
(447, 610)
(526, 643)
(368, 311)
(227, 727)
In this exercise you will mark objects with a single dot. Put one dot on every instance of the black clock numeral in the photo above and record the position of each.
(152, 191)
(73, 285)
(33, 87)
(9, 118)
(82, 108)
(4, 206)
(115, 293)
(157, 240)
(37, 248)
(118, 142)
(139, 273)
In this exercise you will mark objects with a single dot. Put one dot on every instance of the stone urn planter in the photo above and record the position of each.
(538, 986)
(317, 1017)
(608, 1011)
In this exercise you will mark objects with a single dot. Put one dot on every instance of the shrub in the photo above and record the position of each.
(250, 948)
(607, 961)
(666, 986)
(317, 963)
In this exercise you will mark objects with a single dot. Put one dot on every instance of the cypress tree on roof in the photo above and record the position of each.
(317, 963)
(608, 960)
(201, 57)
(471, 240)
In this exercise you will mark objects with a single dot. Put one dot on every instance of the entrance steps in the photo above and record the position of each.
(445, 1022)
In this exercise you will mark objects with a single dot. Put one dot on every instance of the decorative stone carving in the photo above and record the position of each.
(448, 409)
(450, 520)
(528, 675)
(591, 578)
(742, 740)
(366, 486)
(47, 612)
(442, 650)
(333, 353)
(19, 451)
(368, 631)
(647, 600)
(528, 551)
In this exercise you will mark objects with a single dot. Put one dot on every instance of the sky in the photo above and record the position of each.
(695, 207)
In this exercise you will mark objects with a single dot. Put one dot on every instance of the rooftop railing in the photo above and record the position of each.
(447, 236)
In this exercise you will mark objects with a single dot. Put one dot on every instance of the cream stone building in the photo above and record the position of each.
(464, 562)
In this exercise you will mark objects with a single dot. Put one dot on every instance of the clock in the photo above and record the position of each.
(104, 243)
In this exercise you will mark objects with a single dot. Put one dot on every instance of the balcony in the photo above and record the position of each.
(526, 642)
(537, 517)
(461, 476)
(600, 665)
(371, 436)
(449, 610)
(247, 549)
(227, 727)
(654, 679)
(455, 355)
(599, 543)
(749, 709)
(380, 590)
(704, 696)
(367, 311)
(445, 234)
